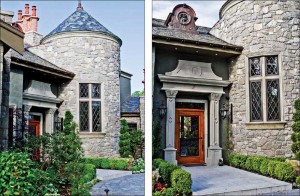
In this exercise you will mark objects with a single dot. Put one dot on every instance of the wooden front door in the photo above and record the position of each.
(189, 136)
(34, 129)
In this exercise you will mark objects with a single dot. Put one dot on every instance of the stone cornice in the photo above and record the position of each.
(197, 81)
(41, 98)
(81, 34)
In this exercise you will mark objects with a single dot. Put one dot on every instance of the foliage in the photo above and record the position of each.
(284, 171)
(138, 165)
(20, 176)
(169, 192)
(156, 141)
(156, 162)
(130, 141)
(298, 180)
(79, 175)
(275, 167)
(264, 167)
(296, 128)
(138, 93)
(181, 181)
(166, 169)
(107, 163)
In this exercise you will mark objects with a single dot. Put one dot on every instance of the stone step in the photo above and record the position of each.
(106, 174)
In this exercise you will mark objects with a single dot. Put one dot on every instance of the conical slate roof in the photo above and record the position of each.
(80, 20)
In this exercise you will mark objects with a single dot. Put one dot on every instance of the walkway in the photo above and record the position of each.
(119, 183)
(226, 180)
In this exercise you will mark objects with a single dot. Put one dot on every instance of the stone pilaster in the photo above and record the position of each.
(214, 149)
(49, 124)
(170, 151)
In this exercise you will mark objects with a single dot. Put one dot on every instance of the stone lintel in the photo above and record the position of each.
(91, 135)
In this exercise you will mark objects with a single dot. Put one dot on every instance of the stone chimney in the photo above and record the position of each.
(29, 25)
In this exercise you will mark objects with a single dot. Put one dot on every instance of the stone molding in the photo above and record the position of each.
(171, 93)
(27, 108)
(40, 89)
(51, 111)
(193, 69)
(215, 96)
(265, 125)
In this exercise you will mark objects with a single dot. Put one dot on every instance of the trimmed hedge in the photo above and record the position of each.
(274, 167)
(107, 163)
(179, 179)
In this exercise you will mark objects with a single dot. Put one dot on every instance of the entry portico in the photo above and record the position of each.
(194, 77)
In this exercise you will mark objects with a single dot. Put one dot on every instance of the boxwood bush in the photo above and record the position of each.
(274, 167)
(284, 171)
(156, 163)
(166, 169)
(181, 181)
(108, 163)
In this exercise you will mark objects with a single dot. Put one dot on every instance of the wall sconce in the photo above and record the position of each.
(162, 109)
(224, 111)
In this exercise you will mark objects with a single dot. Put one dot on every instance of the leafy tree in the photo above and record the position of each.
(138, 93)
(296, 128)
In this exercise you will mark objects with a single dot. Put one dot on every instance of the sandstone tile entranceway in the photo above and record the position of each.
(226, 180)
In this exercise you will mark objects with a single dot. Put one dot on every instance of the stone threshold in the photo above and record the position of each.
(257, 191)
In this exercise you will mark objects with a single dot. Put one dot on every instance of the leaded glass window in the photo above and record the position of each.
(272, 65)
(90, 107)
(255, 66)
(256, 109)
(264, 88)
(273, 108)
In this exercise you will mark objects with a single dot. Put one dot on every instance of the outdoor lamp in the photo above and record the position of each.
(224, 110)
(162, 109)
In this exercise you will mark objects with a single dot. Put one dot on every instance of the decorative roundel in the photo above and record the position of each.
(184, 18)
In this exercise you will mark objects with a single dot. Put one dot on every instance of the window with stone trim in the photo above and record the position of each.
(90, 107)
(264, 89)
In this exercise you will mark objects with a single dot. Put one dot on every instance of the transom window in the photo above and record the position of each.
(264, 88)
(90, 107)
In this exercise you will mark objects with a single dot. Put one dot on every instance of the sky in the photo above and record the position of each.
(206, 11)
(123, 18)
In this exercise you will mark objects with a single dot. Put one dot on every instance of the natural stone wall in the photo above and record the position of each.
(262, 27)
(94, 58)
(32, 38)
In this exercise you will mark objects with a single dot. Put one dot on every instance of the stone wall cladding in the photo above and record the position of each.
(94, 59)
(262, 27)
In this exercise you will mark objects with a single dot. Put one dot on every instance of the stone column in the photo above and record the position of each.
(26, 110)
(170, 151)
(214, 149)
(49, 123)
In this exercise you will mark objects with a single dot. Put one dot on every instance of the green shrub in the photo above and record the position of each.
(158, 193)
(139, 163)
(296, 116)
(233, 160)
(271, 168)
(79, 174)
(297, 104)
(249, 163)
(284, 171)
(105, 163)
(19, 176)
(165, 170)
(256, 161)
(169, 192)
(298, 180)
(237, 160)
(156, 162)
(130, 140)
(264, 167)
(280, 159)
(296, 126)
(181, 181)
(295, 147)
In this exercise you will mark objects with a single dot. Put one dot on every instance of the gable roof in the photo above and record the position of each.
(32, 58)
(131, 105)
(160, 30)
(80, 20)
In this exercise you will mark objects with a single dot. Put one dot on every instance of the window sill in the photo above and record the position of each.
(91, 134)
(266, 125)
